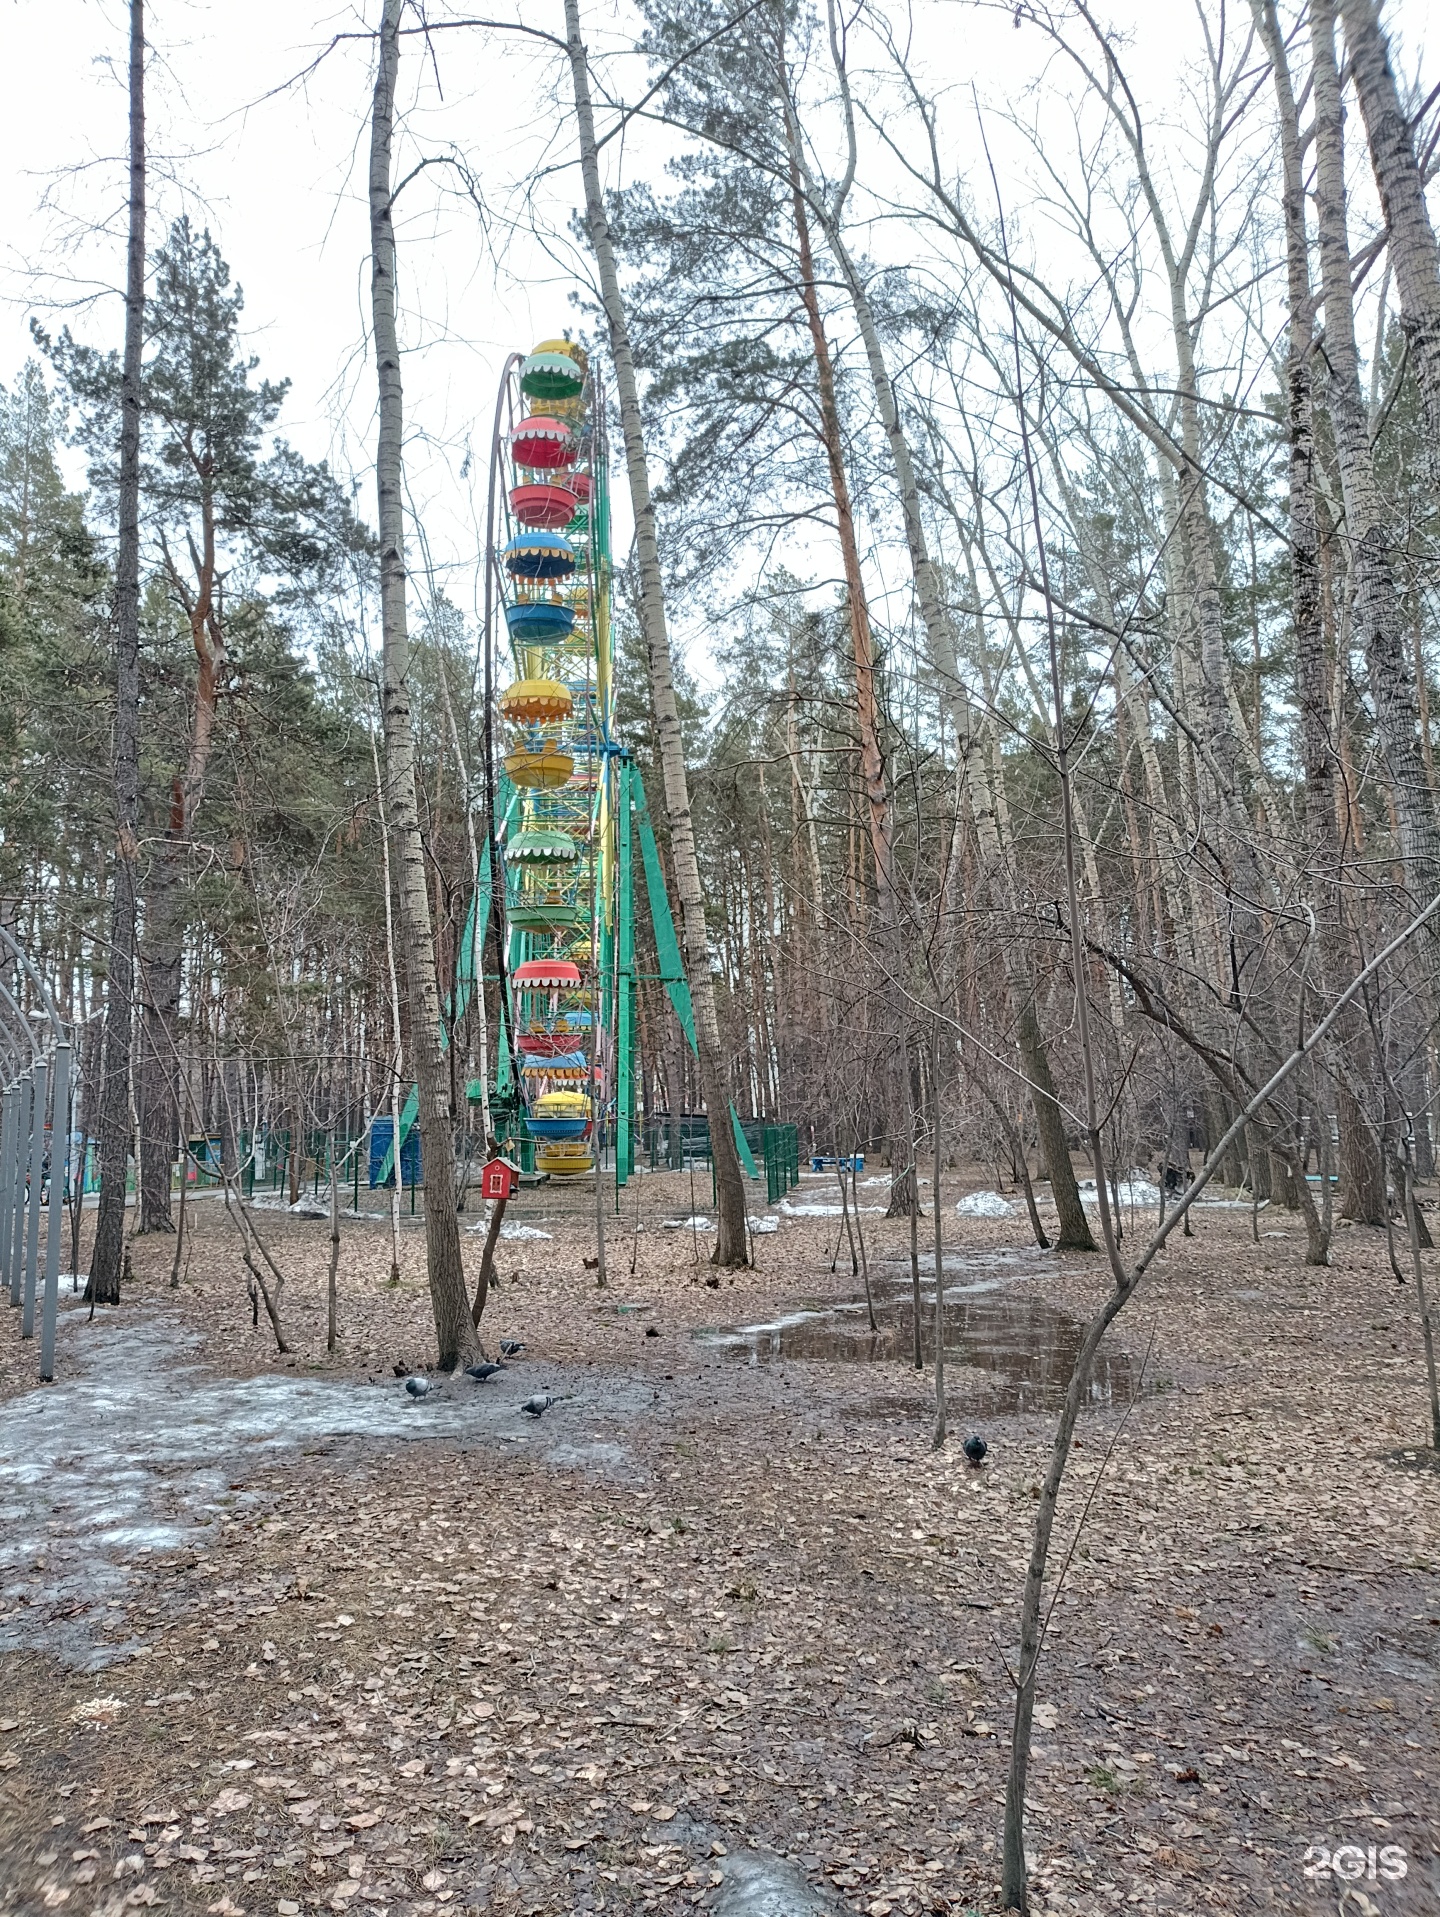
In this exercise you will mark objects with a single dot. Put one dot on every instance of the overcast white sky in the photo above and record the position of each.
(277, 170)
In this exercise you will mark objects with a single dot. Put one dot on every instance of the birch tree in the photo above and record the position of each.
(1413, 250)
(455, 1334)
(730, 1238)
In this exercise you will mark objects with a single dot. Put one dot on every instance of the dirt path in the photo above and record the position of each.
(273, 1638)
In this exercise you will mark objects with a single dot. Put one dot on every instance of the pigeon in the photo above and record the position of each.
(482, 1373)
(511, 1347)
(417, 1387)
(536, 1406)
(975, 1449)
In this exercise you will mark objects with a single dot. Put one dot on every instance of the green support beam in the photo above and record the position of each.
(629, 779)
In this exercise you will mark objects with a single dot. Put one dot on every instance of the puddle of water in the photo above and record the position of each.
(137, 1448)
(1018, 1350)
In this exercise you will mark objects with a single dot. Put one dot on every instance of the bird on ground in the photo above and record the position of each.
(483, 1372)
(652, 1331)
(417, 1387)
(975, 1449)
(512, 1347)
(537, 1406)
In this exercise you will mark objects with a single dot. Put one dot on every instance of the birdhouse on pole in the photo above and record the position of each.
(500, 1179)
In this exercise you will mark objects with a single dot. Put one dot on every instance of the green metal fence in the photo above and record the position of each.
(781, 1147)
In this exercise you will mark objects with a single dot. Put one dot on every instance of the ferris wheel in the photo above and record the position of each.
(567, 819)
(566, 798)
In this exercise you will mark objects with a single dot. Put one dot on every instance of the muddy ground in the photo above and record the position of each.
(273, 1638)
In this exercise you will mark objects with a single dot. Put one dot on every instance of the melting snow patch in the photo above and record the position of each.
(763, 1224)
(686, 1224)
(509, 1231)
(1135, 1189)
(135, 1451)
(985, 1204)
(821, 1211)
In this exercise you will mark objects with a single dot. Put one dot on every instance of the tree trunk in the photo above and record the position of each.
(156, 1073)
(157, 1090)
(872, 758)
(1312, 694)
(730, 1238)
(454, 1332)
(106, 1258)
(1362, 1171)
(1414, 254)
(1377, 606)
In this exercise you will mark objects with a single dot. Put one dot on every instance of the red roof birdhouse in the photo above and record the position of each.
(499, 1179)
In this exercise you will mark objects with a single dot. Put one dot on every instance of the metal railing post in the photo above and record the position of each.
(14, 1221)
(37, 1178)
(9, 1108)
(55, 1222)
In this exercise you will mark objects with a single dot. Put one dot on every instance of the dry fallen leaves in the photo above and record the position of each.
(596, 1677)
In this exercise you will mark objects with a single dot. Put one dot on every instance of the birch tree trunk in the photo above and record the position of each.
(1311, 682)
(454, 1332)
(1312, 688)
(730, 1238)
(1376, 601)
(103, 1286)
(1414, 254)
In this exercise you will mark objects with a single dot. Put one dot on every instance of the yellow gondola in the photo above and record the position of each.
(536, 701)
(539, 771)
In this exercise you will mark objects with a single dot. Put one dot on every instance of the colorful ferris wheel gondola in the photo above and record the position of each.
(539, 555)
(544, 504)
(539, 621)
(543, 444)
(536, 702)
(555, 370)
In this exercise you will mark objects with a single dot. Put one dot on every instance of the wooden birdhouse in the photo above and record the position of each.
(500, 1179)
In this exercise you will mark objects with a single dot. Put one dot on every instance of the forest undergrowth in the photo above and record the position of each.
(705, 1606)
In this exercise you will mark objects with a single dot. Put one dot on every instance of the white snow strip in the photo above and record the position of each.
(821, 1211)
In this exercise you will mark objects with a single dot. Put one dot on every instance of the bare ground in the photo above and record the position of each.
(299, 1643)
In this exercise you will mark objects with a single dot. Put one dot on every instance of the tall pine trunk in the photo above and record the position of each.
(896, 1090)
(108, 1254)
(730, 1238)
(162, 944)
(455, 1334)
